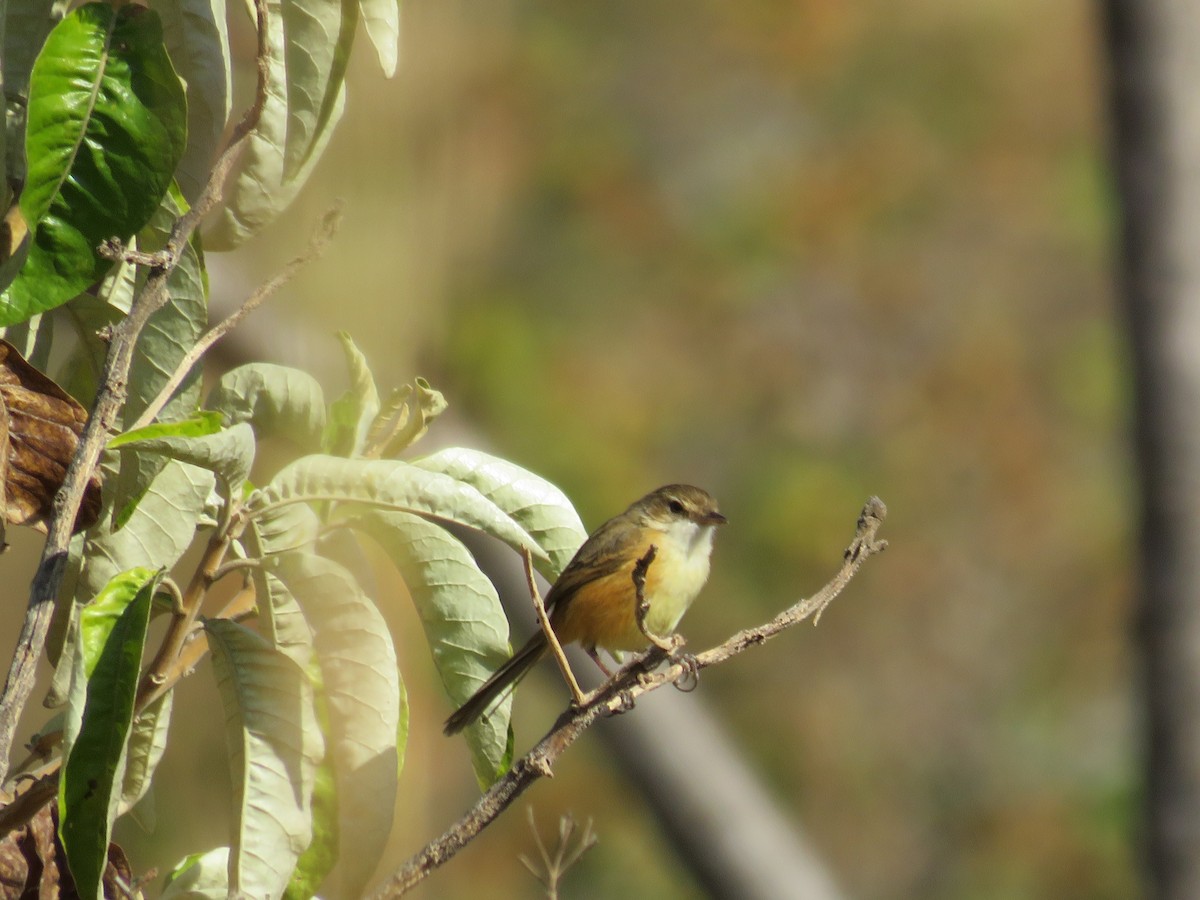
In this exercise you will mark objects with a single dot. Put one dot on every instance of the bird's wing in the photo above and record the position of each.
(601, 554)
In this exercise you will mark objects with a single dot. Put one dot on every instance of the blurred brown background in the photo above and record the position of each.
(798, 253)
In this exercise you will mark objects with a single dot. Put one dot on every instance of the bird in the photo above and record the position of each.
(594, 601)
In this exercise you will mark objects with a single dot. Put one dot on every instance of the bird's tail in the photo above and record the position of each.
(503, 678)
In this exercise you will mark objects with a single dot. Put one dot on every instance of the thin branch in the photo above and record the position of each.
(233, 565)
(116, 251)
(316, 246)
(548, 630)
(154, 682)
(637, 678)
(109, 399)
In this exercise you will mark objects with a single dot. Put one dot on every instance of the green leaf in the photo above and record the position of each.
(90, 317)
(283, 622)
(166, 338)
(315, 862)
(26, 25)
(290, 526)
(278, 401)
(147, 743)
(202, 424)
(361, 685)
(261, 186)
(464, 622)
(158, 532)
(351, 415)
(112, 632)
(105, 129)
(200, 876)
(533, 502)
(393, 484)
(382, 21)
(318, 35)
(274, 746)
(197, 39)
(229, 452)
(172, 331)
(32, 339)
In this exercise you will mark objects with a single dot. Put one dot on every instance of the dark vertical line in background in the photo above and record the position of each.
(1154, 54)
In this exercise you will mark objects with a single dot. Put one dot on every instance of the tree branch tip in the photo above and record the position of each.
(332, 218)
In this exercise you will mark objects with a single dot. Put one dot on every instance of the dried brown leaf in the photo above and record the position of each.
(44, 424)
(31, 864)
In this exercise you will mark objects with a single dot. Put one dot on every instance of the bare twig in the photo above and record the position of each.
(548, 630)
(178, 631)
(115, 251)
(316, 246)
(632, 681)
(109, 399)
(555, 865)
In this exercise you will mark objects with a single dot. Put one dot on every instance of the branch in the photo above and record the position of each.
(109, 399)
(632, 681)
(316, 246)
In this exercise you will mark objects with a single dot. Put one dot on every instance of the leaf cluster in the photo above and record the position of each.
(115, 114)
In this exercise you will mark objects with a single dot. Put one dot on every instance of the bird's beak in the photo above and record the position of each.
(713, 518)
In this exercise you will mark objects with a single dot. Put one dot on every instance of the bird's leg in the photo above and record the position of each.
(667, 645)
(548, 630)
(594, 656)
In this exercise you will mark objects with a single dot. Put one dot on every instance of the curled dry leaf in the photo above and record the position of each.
(40, 424)
(32, 863)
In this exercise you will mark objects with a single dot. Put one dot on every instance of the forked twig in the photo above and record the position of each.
(555, 865)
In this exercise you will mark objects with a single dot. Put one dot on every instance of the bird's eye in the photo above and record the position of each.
(676, 507)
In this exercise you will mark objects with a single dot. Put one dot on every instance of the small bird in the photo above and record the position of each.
(594, 600)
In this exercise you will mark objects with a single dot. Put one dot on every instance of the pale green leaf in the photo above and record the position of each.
(288, 526)
(200, 876)
(533, 502)
(464, 623)
(282, 621)
(361, 686)
(261, 187)
(318, 35)
(405, 418)
(392, 484)
(164, 341)
(158, 532)
(382, 21)
(278, 401)
(274, 745)
(147, 743)
(229, 453)
(196, 37)
(351, 415)
(172, 331)
(32, 339)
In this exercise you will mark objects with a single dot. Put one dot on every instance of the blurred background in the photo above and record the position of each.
(798, 253)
